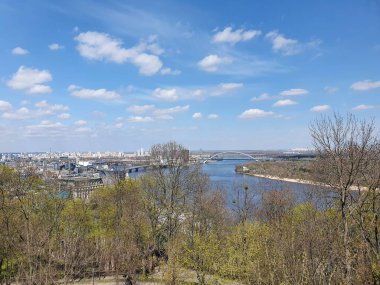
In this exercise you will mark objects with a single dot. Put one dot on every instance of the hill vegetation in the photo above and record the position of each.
(293, 169)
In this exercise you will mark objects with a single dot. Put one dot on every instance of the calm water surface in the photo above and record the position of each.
(224, 178)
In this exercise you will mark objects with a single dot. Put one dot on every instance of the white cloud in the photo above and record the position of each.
(169, 71)
(166, 94)
(101, 46)
(139, 119)
(363, 107)
(255, 113)
(55, 46)
(148, 64)
(197, 116)
(64, 116)
(365, 85)
(283, 45)
(226, 87)
(198, 93)
(99, 94)
(331, 90)
(4, 105)
(212, 62)
(19, 51)
(30, 80)
(283, 103)
(176, 109)
(138, 109)
(46, 129)
(230, 36)
(213, 116)
(44, 110)
(80, 123)
(262, 97)
(231, 86)
(42, 104)
(20, 114)
(294, 92)
(320, 108)
(287, 46)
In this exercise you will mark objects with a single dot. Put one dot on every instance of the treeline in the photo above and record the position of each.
(171, 220)
(294, 169)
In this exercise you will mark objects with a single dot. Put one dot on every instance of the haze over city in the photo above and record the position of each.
(97, 76)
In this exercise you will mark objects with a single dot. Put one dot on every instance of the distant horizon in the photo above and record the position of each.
(191, 150)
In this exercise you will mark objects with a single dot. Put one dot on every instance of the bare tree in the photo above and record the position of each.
(169, 162)
(344, 147)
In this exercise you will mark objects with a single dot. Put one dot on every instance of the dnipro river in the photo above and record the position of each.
(224, 178)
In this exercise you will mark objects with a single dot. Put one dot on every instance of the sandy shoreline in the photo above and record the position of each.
(293, 180)
(299, 181)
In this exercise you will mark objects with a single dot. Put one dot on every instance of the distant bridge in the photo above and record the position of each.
(233, 152)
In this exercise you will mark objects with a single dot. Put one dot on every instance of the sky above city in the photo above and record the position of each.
(120, 75)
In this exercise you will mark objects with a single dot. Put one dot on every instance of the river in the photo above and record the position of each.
(224, 178)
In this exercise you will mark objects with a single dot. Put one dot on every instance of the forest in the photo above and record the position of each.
(173, 222)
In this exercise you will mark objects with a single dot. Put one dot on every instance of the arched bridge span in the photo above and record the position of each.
(234, 152)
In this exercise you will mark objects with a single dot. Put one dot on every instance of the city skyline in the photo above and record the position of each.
(112, 76)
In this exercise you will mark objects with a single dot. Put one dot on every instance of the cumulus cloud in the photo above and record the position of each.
(101, 46)
(197, 116)
(286, 46)
(46, 129)
(176, 109)
(44, 110)
(31, 80)
(213, 116)
(283, 103)
(64, 116)
(255, 113)
(140, 119)
(262, 97)
(227, 87)
(139, 109)
(320, 108)
(363, 107)
(19, 51)
(55, 46)
(80, 123)
(169, 71)
(4, 105)
(212, 62)
(365, 85)
(283, 45)
(239, 35)
(166, 94)
(294, 92)
(98, 94)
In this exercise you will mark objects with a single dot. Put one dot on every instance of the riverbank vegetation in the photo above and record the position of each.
(288, 169)
(171, 220)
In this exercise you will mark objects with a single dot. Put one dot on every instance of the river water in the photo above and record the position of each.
(224, 178)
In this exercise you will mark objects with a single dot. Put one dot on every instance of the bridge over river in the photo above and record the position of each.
(231, 155)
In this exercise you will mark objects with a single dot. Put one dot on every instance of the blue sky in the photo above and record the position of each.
(119, 75)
